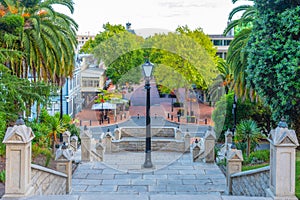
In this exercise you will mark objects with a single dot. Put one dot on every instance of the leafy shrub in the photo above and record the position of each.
(2, 176)
(260, 155)
(257, 157)
(37, 151)
(2, 133)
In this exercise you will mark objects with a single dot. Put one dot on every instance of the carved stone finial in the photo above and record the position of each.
(282, 123)
(20, 121)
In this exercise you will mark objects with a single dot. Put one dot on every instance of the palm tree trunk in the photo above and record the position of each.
(248, 146)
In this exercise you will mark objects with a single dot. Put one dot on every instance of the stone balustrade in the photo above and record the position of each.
(47, 181)
(204, 149)
(276, 181)
(133, 139)
(25, 179)
(251, 182)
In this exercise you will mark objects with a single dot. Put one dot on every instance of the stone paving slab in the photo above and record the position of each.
(177, 175)
(114, 197)
(125, 196)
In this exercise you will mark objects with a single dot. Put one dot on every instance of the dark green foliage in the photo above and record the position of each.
(256, 157)
(30, 3)
(2, 176)
(2, 132)
(12, 24)
(274, 57)
(223, 118)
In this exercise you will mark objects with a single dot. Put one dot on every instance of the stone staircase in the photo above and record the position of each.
(121, 176)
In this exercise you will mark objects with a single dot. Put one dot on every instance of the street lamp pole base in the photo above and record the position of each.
(148, 165)
(148, 162)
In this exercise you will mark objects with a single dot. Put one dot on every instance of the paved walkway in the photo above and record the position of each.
(159, 107)
(121, 176)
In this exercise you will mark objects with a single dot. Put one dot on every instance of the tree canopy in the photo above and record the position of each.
(274, 57)
(120, 50)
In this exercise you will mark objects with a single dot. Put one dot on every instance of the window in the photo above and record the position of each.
(217, 42)
(227, 42)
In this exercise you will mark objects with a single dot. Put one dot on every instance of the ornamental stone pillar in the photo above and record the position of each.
(86, 145)
(187, 141)
(117, 133)
(63, 159)
(100, 149)
(178, 134)
(74, 143)
(283, 143)
(228, 139)
(66, 137)
(108, 142)
(234, 165)
(18, 160)
(196, 151)
(209, 145)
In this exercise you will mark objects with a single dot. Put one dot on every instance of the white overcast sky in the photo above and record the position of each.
(152, 15)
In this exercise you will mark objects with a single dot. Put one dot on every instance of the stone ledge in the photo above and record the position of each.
(51, 171)
(250, 172)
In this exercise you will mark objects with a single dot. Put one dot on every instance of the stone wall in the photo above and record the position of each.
(251, 183)
(157, 144)
(47, 181)
(141, 132)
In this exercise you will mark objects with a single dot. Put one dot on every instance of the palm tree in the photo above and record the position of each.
(248, 131)
(237, 56)
(48, 39)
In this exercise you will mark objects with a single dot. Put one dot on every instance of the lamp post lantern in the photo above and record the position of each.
(147, 68)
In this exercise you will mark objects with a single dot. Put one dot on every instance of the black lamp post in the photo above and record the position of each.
(234, 109)
(102, 101)
(147, 68)
(61, 112)
(172, 105)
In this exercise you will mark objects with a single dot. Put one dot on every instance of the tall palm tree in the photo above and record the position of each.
(237, 56)
(48, 39)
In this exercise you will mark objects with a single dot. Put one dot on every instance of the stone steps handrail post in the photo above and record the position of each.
(187, 141)
(100, 150)
(178, 134)
(18, 160)
(74, 143)
(228, 139)
(66, 137)
(283, 143)
(233, 165)
(63, 159)
(86, 144)
(209, 145)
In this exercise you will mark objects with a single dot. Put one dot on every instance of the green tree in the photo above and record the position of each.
(119, 49)
(273, 60)
(223, 117)
(247, 130)
(186, 55)
(190, 53)
(237, 54)
(47, 39)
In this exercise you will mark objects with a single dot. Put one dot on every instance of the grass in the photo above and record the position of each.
(250, 167)
(298, 175)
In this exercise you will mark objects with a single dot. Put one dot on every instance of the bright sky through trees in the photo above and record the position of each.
(211, 15)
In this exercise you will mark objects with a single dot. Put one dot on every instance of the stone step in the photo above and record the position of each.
(142, 197)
